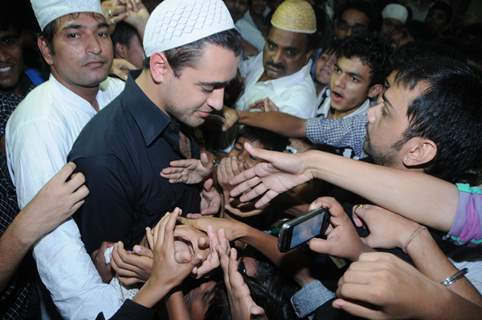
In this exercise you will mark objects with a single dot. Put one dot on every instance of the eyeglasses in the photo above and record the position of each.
(355, 29)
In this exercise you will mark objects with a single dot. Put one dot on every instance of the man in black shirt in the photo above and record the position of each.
(123, 149)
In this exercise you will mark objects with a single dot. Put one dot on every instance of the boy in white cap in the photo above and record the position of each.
(193, 51)
(75, 42)
(282, 71)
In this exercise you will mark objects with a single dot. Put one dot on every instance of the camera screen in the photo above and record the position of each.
(306, 230)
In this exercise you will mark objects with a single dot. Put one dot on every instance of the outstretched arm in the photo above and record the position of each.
(417, 196)
(54, 203)
(275, 121)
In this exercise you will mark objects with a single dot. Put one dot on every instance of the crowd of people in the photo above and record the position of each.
(152, 152)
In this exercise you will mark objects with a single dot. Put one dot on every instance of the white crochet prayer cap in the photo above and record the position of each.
(395, 11)
(47, 11)
(175, 23)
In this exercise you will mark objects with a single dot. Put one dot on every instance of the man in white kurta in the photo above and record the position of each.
(40, 134)
(294, 94)
(282, 71)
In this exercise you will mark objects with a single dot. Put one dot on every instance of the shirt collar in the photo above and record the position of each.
(149, 118)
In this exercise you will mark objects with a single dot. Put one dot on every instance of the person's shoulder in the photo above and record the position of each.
(35, 104)
(112, 86)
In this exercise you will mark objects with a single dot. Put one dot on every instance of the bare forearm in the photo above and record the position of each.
(263, 242)
(448, 305)
(14, 245)
(433, 263)
(176, 306)
(278, 122)
(417, 196)
(150, 294)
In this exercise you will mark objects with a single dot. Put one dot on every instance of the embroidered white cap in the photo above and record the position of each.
(175, 23)
(395, 11)
(295, 16)
(47, 11)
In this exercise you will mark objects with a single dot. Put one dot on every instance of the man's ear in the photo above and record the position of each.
(159, 67)
(375, 90)
(120, 50)
(419, 152)
(45, 50)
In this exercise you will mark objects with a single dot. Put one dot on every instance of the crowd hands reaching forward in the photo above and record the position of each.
(107, 233)
(377, 284)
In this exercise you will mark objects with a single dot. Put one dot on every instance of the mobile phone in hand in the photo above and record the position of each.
(299, 230)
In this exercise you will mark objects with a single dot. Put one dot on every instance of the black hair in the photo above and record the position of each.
(420, 49)
(372, 51)
(123, 33)
(363, 6)
(270, 140)
(448, 113)
(270, 289)
(18, 16)
(189, 54)
(51, 29)
(442, 6)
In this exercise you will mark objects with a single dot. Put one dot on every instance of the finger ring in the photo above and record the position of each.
(109, 12)
(356, 207)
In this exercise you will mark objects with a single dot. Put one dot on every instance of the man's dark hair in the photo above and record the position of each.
(270, 140)
(373, 51)
(123, 33)
(10, 22)
(189, 54)
(270, 289)
(442, 6)
(51, 29)
(374, 18)
(448, 113)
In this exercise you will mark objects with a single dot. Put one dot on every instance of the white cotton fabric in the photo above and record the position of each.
(294, 94)
(175, 23)
(39, 136)
(47, 11)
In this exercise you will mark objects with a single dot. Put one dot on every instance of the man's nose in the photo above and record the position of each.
(216, 99)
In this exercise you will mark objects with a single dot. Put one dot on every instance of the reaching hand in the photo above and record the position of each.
(114, 11)
(233, 229)
(231, 117)
(212, 260)
(121, 68)
(189, 171)
(166, 271)
(264, 105)
(137, 15)
(342, 239)
(241, 303)
(131, 266)
(387, 229)
(210, 199)
(55, 202)
(394, 288)
(280, 173)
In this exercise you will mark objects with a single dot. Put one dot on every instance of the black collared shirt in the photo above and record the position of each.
(122, 151)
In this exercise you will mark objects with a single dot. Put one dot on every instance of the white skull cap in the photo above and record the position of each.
(395, 11)
(47, 11)
(175, 23)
